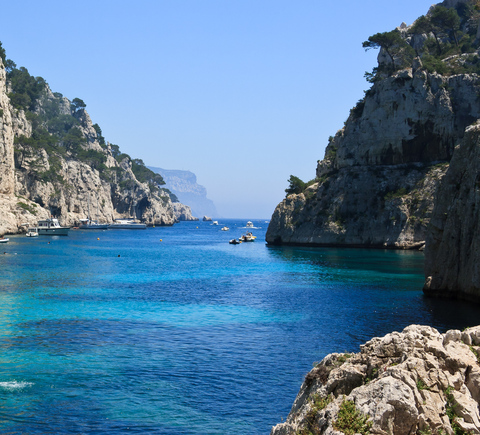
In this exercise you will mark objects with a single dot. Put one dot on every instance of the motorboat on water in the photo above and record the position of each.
(235, 242)
(249, 237)
(225, 229)
(127, 224)
(32, 232)
(215, 223)
(249, 224)
(89, 224)
(4, 240)
(51, 227)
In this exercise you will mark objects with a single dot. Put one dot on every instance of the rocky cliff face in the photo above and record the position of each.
(376, 183)
(452, 254)
(43, 174)
(7, 173)
(413, 382)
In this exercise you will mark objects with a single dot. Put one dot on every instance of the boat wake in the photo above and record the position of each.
(15, 385)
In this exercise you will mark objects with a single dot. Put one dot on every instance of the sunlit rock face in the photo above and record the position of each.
(36, 183)
(7, 173)
(376, 184)
(409, 382)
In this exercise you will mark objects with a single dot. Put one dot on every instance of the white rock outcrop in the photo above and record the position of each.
(7, 173)
(409, 382)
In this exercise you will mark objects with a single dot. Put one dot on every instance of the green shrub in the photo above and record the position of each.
(296, 185)
(26, 89)
(27, 207)
(145, 175)
(397, 194)
(451, 413)
(421, 385)
(351, 421)
(317, 403)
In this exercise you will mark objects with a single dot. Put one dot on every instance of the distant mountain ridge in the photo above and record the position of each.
(184, 185)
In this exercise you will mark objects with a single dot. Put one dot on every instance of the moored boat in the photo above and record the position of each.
(4, 240)
(51, 227)
(89, 224)
(127, 224)
(32, 232)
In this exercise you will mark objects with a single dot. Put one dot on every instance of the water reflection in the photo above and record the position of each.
(383, 286)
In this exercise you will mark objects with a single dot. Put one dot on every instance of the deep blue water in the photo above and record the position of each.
(172, 330)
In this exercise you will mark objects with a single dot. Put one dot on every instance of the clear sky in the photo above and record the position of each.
(243, 93)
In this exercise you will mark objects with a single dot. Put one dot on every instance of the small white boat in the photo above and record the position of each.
(235, 242)
(4, 240)
(127, 224)
(215, 223)
(249, 237)
(249, 224)
(89, 224)
(225, 229)
(32, 232)
(51, 227)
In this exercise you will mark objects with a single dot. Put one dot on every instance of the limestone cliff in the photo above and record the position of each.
(54, 161)
(376, 183)
(452, 254)
(414, 382)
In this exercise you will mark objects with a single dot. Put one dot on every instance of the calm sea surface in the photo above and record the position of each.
(173, 331)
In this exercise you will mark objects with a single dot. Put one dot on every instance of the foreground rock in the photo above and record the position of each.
(417, 381)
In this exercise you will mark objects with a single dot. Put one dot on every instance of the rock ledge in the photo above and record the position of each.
(414, 382)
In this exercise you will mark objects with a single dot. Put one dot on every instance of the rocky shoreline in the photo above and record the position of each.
(417, 381)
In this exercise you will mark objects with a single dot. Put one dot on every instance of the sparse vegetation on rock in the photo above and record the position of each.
(417, 381)
(57, 159)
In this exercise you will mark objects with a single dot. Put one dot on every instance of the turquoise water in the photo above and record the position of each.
(172, 330)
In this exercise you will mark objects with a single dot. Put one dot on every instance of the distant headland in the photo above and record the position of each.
(183, 184)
